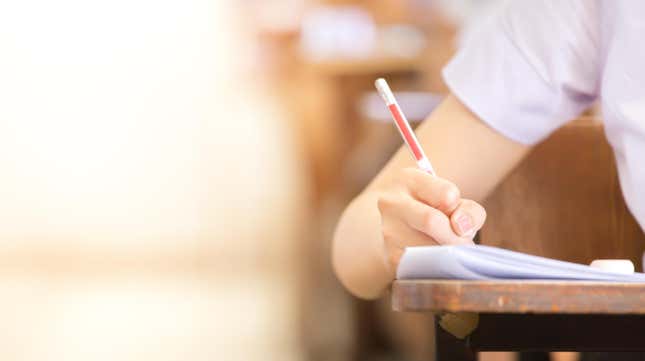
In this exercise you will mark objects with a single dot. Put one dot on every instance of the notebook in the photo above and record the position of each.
(477, 262)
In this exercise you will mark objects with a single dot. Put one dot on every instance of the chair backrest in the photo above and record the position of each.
(564, 201)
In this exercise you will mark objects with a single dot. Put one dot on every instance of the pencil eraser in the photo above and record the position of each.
(624, 266)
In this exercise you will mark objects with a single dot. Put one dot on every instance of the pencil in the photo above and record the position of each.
(403, 126)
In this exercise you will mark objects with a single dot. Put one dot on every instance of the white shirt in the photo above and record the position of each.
(540, 63)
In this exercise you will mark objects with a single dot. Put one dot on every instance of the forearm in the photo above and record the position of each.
(462, 149)
(358, 256)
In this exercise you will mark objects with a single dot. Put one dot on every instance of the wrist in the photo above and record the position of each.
(383, 271)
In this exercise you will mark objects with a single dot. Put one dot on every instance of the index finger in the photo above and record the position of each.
(436, 192)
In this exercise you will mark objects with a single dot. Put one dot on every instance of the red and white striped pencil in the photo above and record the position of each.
(403, 126)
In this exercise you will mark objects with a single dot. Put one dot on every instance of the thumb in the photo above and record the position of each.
(468, 218)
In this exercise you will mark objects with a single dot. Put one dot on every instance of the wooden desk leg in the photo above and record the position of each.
(450, 348)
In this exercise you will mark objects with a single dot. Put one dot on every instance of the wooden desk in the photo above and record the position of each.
(530, 315)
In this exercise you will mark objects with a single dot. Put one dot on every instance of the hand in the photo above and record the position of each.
(419, 209)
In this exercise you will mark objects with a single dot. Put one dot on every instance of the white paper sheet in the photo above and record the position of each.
(477, 262)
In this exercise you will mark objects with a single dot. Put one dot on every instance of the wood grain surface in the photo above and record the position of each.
(564, 201)
(512, 296)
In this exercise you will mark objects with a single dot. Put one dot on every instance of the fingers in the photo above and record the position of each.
(434, 191)
(421, 209)
(396, 230)
(397, 236)
(424, 219)
(468, 218)
(401, 232)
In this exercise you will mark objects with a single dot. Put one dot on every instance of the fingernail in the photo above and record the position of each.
(464, 224)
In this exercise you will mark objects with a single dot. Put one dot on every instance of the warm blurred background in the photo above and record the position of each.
(171, 172)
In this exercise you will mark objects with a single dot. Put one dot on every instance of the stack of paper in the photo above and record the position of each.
(476, 262)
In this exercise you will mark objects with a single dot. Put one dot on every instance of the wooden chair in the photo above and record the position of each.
(564, 201)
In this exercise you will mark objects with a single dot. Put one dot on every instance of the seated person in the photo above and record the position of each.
(536, 66)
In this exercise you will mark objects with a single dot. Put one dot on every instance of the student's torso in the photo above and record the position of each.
(622, 93)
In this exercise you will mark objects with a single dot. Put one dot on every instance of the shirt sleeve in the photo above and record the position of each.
(531, 69)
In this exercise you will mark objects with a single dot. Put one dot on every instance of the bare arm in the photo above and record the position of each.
(403, 206)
